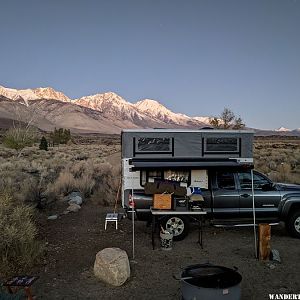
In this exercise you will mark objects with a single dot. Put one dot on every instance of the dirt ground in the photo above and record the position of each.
(74, 239)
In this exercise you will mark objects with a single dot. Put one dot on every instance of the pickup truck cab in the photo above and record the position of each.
(229, 202)
(225, 158)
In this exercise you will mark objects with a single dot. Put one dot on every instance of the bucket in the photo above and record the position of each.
(166, 240)
(209, 282)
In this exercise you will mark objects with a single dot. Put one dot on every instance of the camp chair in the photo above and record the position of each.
(114, 216)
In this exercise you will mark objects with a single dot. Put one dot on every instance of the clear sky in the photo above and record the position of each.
(194, 56)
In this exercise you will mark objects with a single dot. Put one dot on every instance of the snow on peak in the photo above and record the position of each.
(205, 120)
(111, 105)
(99, 101)
(282, 129)
(33, 94)
(152, 106)
(155, 109)
(50, 93)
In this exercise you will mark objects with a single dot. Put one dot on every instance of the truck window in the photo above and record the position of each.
(246, 182)
(225, 180)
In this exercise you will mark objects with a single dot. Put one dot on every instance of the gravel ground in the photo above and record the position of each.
(74, 239)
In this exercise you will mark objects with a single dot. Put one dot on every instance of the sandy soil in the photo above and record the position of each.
(74, 239)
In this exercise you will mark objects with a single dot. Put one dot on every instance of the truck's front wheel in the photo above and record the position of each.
(178, 225)
(293, 224)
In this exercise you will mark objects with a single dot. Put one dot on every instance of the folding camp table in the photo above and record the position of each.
(198, 215)
(21, 282)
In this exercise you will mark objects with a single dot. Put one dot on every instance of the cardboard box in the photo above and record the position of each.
(162, 201)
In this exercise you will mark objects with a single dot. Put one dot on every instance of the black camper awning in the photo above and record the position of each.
(167, 163)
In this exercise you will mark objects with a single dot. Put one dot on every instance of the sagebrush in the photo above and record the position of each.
(19, 247)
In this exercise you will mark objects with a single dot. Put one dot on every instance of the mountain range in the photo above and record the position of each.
(99, 113)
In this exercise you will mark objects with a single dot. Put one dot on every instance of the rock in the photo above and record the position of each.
(73, 207)
(53, 217)
(271, 266)
(112, 266)
(75, 197)
(275, 256)
(77, 200)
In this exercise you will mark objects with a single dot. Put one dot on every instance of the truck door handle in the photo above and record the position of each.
(245, 195)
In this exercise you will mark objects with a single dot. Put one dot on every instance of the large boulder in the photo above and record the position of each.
(112, 266)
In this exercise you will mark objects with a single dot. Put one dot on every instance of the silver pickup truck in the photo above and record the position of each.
(228, 201)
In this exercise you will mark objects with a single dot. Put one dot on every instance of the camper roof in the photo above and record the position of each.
(187, 130)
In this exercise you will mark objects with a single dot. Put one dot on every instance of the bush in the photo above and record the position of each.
(43, 144)
(19, 138)
(19, 249)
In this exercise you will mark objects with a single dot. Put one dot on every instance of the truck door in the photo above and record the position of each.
(225, 196)
(267, 198)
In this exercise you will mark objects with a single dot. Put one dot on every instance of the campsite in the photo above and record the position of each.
(72, 240)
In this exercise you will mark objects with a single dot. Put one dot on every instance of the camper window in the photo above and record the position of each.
(145, 144)
(182, 176)
(230, 145)
(150, 176)
(175, 175)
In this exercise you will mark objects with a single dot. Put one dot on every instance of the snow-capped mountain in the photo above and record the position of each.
(33, 94)
(114, 107)
(105, 112)
(154, 109)
(108, 103)
(283, 129)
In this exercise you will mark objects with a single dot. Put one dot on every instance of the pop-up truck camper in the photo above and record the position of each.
(204, 169)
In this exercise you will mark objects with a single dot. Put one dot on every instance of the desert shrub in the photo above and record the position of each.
(64, 184)
(18, 138)
(19, 249)
(43, 144)
(107, 184)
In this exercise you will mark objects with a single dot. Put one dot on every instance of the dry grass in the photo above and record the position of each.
(19, 249)
(278, 158)
(46, 176)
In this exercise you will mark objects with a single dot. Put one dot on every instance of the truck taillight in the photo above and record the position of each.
(131, 201)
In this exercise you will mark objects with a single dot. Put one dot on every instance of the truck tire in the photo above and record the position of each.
(293, 224)
(178, 225)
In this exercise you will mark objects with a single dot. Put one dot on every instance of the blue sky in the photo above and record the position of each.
(195, 57)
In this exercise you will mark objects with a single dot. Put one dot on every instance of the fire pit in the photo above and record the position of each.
(210, 282)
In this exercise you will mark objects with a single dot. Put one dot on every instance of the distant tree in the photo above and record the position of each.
(227, 120)
(60, 136)
(215, 122)
(43, 144)
(238, 123)
(227, 117)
